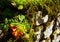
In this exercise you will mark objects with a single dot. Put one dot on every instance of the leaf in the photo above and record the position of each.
(15, 21)
(27, 26)
(25, 23)
(1, 26)
(6, 20)
(21, 17)
(20, 7)
(6, 27)
(12, 24)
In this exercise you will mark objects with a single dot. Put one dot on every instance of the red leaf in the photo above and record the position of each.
(12, 27)
(20, 33)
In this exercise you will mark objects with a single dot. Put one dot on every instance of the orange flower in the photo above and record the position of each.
(15, 34)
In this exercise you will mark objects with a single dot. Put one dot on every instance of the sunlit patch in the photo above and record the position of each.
(45, 18)
(48, 31)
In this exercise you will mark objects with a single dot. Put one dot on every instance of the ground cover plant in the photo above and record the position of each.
(29, 20)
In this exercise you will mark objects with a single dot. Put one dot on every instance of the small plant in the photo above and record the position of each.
(19, 25)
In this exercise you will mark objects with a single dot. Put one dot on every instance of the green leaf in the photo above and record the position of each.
(15, 21)
(6, 20)
(12, 24)
(25, 31)
(20, 7)
(6, 27)
(21, 17)
(27, 26)
(1, 26)
(25, 23)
